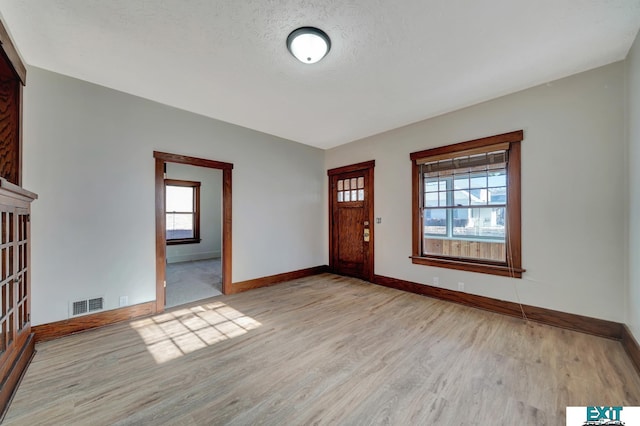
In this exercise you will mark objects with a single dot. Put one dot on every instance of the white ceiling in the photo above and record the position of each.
(391, 62)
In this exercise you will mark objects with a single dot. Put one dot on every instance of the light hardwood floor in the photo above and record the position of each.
(322, 350)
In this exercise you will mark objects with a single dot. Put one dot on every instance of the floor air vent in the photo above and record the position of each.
(95, 304)
(81, 307)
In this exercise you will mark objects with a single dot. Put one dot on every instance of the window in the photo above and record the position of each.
(350, 189)
(466, 206)
(182, 211)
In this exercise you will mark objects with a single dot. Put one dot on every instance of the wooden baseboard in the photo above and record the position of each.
(66, 327)
(275, 279)
(62, 328)
(595, 326)
(630, 345)
(19, 367)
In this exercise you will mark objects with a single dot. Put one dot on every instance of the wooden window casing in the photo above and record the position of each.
(195, 211)
(512, 264)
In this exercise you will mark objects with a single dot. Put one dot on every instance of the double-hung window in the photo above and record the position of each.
(466, 212)
(182, 211)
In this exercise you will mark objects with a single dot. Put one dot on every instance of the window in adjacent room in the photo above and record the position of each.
(466, 205)
(182, 211)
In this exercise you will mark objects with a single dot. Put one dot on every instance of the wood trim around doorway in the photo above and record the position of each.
(369, 167)
(161, 243)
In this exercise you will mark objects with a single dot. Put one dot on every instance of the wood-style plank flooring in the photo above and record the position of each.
(322, 350)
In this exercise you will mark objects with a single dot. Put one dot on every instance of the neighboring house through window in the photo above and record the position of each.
(182, 211)
(466, 212)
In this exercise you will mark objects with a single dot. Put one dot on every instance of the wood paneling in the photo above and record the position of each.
(16, 338)
(595, 326)
(69, 326)
(17, 192)
(350, 230)
(17, 343)
(17, 371)
(323, 350)
(9, 129)
(242, 286)
(466, 248)
(12, 77)
(11, 55)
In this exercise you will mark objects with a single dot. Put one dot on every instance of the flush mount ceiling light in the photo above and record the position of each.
(308, 44)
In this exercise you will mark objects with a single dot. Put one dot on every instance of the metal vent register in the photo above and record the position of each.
(81, 307)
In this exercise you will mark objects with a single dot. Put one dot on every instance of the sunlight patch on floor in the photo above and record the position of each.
(174, 334)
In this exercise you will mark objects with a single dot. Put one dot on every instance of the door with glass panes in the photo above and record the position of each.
(351, 221)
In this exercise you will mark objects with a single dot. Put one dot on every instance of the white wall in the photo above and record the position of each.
(573, 192)
(88, 153)
(633, 121)
(210, 245)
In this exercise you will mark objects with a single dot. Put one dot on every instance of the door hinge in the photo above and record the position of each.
(28, 317)
(28, 218)
(165, 284)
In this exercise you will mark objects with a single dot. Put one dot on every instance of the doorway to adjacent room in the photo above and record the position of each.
(181, 215)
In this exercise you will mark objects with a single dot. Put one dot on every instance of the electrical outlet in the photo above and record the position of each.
(436, 281)
(124, 300)
(460, 286)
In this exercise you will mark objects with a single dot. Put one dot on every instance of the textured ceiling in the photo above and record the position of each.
(391, 62)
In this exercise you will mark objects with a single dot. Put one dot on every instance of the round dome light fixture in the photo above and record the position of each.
(308, 44)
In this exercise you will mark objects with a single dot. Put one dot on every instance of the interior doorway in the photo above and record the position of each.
(161, 160)
(193, 214)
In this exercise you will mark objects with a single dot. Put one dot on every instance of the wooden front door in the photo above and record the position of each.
(351, 220)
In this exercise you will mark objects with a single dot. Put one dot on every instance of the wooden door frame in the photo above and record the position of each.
(368, 167)
(161, 239)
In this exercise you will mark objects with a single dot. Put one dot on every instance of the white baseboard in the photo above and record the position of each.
(193, 256)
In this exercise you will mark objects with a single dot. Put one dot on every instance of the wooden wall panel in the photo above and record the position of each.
(9, 129)
(471, 249)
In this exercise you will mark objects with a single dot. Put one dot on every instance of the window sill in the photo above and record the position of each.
(483, 268)
(473, 239)
(183, 241)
